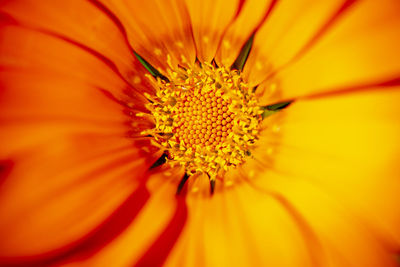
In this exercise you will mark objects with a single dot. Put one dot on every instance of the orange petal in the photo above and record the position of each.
(63, 136)
(348, 148)
(81, 22)
(357, 47)
(162, 212)
(46, 79)
(238, 226)
(247, 21)
(36, 53)
(47, 204)
(210, 19)
(157, 29)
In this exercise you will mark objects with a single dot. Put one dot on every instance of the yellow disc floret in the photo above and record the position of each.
(207, 119)
(202, 120)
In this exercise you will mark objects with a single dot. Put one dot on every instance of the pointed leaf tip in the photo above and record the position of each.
(243, 55)
(153, 71)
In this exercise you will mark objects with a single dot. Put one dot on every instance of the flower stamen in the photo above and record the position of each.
(207, 119)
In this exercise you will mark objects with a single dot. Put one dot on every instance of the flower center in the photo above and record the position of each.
(207, 118)
(202, 119)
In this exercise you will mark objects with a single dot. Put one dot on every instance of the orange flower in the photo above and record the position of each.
(288, 110)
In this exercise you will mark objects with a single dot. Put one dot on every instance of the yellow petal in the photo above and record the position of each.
(359, 47)
(342, 237)
(348, 148)
(288, 28)
(238, 227)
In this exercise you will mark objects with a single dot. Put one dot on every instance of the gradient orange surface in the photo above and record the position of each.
(78, 184)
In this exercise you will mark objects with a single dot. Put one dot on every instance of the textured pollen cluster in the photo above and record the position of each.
(207, 119)
(202, 119)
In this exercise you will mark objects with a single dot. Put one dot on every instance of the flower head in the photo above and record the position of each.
(199, 133)
(207, 119)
